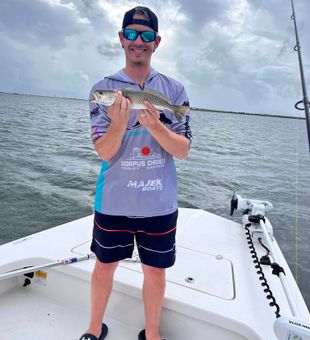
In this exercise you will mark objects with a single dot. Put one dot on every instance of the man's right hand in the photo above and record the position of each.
(119, 112)
(109, 143)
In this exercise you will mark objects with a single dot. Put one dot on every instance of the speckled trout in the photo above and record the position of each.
(137, 98)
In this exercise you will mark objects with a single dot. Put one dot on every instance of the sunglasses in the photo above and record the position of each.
(146, 36)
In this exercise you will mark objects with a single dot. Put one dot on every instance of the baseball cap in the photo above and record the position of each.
(152, 21)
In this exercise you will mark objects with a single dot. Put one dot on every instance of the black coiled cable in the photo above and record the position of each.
(261, 274)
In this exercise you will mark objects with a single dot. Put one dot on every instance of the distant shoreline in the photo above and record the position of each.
(192, 108)
(39, 95)
(246, 113)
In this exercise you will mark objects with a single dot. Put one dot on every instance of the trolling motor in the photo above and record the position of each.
(243, 204)
(257, 210)
(285, 328)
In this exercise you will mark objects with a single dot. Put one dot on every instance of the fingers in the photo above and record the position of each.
(123, 104)
(150, 117)
(151, 110)
(142, 115)
(128, 105)
(118, 101)
(120, 110)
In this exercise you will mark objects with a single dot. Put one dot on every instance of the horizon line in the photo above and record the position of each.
(191, 108)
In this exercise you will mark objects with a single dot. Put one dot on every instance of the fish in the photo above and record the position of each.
(137, 98)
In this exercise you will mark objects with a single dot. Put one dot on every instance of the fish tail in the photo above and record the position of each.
(180, 111)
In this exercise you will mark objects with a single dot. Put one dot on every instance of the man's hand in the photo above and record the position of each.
(119, 112)
(176, 145)
(149, 118)
(108, 145)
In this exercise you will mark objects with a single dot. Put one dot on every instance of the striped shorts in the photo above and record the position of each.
(113, 238)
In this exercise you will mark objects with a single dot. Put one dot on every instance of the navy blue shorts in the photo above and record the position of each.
(113, 238)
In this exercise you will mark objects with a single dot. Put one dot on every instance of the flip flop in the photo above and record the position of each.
(104, 332)
(141, 335)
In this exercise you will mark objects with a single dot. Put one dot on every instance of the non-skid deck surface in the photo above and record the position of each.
(25, 316)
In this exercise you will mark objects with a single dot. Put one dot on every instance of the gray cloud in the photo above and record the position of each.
(109, 49)
(230, 54)
(201, 11)
(242, 58)
(39, 22)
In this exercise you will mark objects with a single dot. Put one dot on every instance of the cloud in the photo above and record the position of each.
(238, 62)
(43, 22)
(230, 54)
(202, 11)
(110, 49)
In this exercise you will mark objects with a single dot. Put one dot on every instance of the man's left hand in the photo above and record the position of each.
(149, 118)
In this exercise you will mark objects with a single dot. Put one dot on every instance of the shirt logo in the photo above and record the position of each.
(95, 112)
(148, 185)
(143, 157)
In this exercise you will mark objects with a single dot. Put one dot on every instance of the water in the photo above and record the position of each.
(49, 170)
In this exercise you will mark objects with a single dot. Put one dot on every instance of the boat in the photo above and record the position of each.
(230, 281)
(219, 287)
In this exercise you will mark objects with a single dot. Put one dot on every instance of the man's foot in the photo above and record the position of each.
(141, 335)
(89, 336)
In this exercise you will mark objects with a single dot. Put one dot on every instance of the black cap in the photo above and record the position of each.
(152, 20)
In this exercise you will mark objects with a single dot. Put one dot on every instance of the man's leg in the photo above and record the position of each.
(101, 287)
(153, 296)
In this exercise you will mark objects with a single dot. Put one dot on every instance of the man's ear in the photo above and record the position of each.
(157, 42)
(121, 38)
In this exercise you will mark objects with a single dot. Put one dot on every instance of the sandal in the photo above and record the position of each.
(88, 336)
(141, 335)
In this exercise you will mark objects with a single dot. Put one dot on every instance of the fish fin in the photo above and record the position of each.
(158, 94)
(180, 111)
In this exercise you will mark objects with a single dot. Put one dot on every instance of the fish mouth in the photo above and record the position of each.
(94, 98)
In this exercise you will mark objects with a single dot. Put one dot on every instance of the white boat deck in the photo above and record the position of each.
(225, 300)
(43, 317)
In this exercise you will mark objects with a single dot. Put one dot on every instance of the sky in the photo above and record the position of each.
(230, 54)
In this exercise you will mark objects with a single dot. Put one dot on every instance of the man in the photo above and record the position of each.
(137, 187)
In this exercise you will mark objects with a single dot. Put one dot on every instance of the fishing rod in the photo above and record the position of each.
(33, 269)
(305, 100)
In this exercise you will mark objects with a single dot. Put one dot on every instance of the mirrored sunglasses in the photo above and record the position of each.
(146, 36)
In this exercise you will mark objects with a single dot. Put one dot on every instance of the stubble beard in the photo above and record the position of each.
(139, 63)
(136, 62)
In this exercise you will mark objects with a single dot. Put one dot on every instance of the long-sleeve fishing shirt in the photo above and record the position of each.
(140, 180)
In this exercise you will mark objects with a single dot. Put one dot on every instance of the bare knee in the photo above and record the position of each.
(153, 273)
(105, 269)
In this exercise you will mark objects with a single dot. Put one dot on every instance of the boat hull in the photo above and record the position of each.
(212, 292)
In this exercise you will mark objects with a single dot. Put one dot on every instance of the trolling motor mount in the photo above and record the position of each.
(253, 211)
(254, 220)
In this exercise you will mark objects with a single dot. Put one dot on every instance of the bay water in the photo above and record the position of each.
(48, 170)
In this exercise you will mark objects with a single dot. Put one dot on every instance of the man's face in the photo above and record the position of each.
(138, 51)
